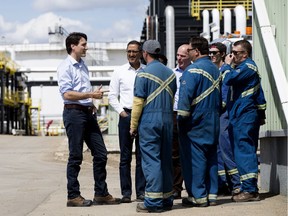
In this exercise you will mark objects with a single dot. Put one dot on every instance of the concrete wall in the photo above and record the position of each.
(273, 167)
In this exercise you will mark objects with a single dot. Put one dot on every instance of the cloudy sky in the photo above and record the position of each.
(101, 20)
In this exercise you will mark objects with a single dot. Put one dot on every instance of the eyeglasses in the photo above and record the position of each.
(213, 53)
(237, 52)
(132, 51)
(188, 50)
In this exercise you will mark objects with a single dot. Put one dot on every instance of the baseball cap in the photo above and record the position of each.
(152, 46)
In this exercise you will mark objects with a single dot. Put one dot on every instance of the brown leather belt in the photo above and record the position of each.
(88, 109)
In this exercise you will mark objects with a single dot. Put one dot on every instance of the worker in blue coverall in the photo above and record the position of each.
(152, 114)
(228, 175)
(246, 108)
(199, 107)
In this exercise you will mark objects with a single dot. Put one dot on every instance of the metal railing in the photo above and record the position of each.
(197, 6)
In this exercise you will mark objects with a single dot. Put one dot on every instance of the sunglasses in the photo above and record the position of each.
(237, 52)
(213, 53)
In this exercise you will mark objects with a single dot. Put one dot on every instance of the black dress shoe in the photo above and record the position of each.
(126, 199)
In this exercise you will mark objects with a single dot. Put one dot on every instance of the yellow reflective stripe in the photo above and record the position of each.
(223, 104)
(221, 172)
(183, 113)
(204, 73)
(154, 195)
(212, 196)
(232, 171)
(224, 74)
(163, 85)
(200, 200)
(167, 195)
(248, 176)
(254, 68)
(251, 66)
(215, 84)
(250, 91)
(261, 106)
(157, 79)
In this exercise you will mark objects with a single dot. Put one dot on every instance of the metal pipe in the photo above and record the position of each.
(216, 24)
(206, 27)
(240, 14)
(170, 36)
(227, 21)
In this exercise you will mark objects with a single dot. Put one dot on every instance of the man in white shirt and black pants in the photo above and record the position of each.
(121, 99)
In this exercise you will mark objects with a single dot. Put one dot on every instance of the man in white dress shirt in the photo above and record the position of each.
(183, 61)
(121, 99)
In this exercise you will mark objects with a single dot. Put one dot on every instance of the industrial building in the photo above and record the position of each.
(172, 22)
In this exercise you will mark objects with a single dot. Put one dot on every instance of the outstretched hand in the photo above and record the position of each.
(98, 93)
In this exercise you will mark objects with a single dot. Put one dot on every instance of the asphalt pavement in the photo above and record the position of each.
(33, 183)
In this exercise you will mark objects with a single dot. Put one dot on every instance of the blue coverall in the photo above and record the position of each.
(245, 104)
(157, 85)
(226, 161)
(198, 121)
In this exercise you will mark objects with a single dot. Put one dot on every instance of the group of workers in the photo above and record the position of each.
(197, 123)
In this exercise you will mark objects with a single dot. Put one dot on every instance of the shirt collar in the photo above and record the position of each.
(139, 69)
(74, 62)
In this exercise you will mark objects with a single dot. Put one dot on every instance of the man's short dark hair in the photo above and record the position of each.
(246, 45)
(74, 38)
(163, 59)
(201, 44)
(220, 46)
(136, 43)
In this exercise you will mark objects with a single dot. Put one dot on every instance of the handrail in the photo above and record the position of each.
(273, 54)
(5, 61)
(197, 6)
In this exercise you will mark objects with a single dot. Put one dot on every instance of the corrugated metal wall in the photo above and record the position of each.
(277, 12)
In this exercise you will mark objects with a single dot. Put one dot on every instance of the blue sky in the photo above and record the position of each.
(101, 20)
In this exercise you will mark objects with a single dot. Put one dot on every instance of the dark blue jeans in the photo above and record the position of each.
(126, 144)
(82, 126)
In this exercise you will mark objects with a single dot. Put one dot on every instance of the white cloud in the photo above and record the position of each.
(102, 21)
(119, 31)
(45, 5)
(5, 26)
(36, 30)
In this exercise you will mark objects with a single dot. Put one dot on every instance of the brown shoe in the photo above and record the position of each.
(106, 200)
(79, 202)
(236, 191)
(246, 196)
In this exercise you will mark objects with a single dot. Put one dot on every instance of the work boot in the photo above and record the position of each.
(246, 196)
(236, 191)
(177, 194)
(140, 198)
(126, 199)
(143, 209)
(79, 202)
(187, 203)
(106, 200)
